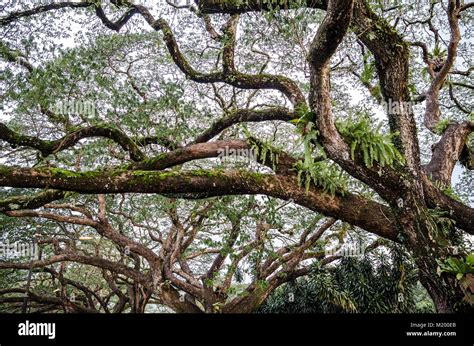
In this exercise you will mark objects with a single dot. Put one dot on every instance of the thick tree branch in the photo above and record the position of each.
(47, 147)
(222, 149)
(432, 112)
(390, 52)
(329, 35)
(221, 6)
(244, 115)
(116, 26)
(369, 215)
(459, 212)
(31, 201)
(74, 257)
(41, 9)
(237, 79)
(448, 151)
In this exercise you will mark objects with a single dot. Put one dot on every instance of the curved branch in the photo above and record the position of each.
(328, 37)
(15, 57)
(116, 26)
(448, 151)
(31, 201)
(47, 147)
(388, 47)
(89, 260)
(51, 216)
(237, 79)
(245, 115)
(103, 227)
(466, 6)
(41, 9)
(456, 101)
(459, 212)
(432, 112)
(221, 149)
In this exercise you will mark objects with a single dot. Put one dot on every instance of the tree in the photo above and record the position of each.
(371, 284)
(271, 70)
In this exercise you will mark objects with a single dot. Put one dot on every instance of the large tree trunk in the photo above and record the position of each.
(426, 242)
(444, 289)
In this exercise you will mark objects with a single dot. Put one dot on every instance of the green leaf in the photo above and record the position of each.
(470, 259)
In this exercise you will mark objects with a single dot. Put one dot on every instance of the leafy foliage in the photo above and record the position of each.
(322, 174)
(311, 170)
(368, 72)
(447, 190)
(441, 126)
(263, 149)
(136, 87)
(379, 285)
(458, 266)
(441, 225)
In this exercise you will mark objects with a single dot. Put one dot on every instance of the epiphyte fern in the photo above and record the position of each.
(320, 172)
(366, 139)
(262, 149)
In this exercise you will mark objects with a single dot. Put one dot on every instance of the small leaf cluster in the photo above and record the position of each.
(367, 140)
(458, 266)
